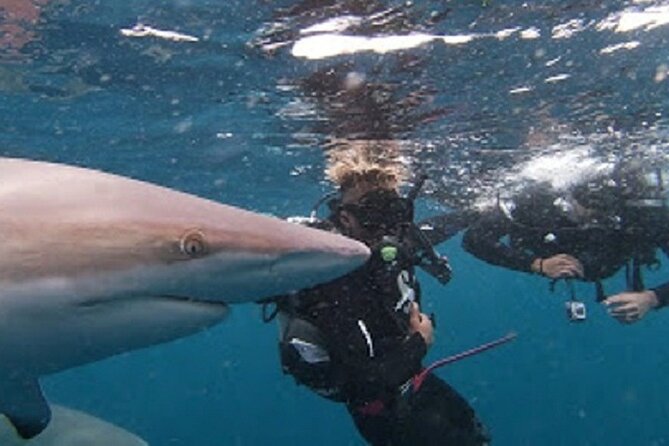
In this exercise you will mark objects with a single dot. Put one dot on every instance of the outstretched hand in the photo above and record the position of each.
(421, 323)
(631, 307)
(559, 266)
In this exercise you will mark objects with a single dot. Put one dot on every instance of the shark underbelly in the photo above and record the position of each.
(53, 325)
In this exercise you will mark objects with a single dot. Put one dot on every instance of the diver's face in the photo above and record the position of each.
(368, 213)
(351, 226)
(349, 221)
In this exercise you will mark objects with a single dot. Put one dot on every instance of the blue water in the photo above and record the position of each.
(212, 119)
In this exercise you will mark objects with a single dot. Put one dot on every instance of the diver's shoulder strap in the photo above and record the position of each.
(292, 304)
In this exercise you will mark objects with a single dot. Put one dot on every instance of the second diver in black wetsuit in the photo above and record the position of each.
(360, 339)
(588, 233)
(544, 232)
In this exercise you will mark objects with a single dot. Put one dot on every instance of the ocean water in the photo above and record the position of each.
(235, 100)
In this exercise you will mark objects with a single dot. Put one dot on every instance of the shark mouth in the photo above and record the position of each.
(110, 300)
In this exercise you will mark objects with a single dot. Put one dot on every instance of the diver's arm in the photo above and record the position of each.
(440, 228)
(483, 239)
(631, 306)
(662, 291)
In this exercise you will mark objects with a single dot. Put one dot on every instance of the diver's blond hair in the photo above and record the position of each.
(354, 162)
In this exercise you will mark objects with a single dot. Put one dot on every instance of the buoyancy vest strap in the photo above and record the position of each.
(633, 275)
(599, 291)
(637, 278)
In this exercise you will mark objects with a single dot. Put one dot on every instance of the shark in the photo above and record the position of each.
(93, 264)
(71, 427)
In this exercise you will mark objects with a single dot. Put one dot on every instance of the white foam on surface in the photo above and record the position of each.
(323, 46)
(141, 30)
(564, 169)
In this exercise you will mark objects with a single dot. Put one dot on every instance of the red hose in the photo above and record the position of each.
(417, 381)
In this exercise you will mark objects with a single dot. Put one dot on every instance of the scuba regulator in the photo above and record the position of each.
(411, 242)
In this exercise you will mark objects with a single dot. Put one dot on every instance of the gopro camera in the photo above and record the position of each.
(575, 311)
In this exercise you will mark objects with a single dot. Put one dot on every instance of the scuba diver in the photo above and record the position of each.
(588, 233)
(645, 194)
(359, 340)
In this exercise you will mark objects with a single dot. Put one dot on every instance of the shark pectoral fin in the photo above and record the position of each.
(22, 402)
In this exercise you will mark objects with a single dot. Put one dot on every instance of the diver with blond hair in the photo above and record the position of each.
(361, 339)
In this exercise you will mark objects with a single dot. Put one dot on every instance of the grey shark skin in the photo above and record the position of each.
(69, 427)
(93, 264)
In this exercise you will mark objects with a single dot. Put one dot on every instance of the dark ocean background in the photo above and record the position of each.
(236, 118)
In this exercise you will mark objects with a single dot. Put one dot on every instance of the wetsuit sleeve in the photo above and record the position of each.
(484, 239)
(441, 228)
(662, 293)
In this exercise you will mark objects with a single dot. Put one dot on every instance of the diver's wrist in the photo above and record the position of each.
(654, 299)
(537, 266)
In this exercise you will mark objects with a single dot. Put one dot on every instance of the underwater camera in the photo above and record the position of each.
(576, 311)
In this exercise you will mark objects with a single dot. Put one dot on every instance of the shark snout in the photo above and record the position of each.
(335, 257)
(317, 257)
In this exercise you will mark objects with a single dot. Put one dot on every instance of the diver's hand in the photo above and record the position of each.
(631, 307)
(558, 267)
(421, 323)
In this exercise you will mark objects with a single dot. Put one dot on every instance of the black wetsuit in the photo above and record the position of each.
(502, 241)
(602, 249)
(364, 321)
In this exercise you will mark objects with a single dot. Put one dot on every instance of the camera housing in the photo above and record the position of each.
(576, 311)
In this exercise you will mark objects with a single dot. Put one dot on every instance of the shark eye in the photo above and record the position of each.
(193, 244)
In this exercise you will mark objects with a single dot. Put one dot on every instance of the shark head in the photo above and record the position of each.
(113, 264)
(193, 250)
